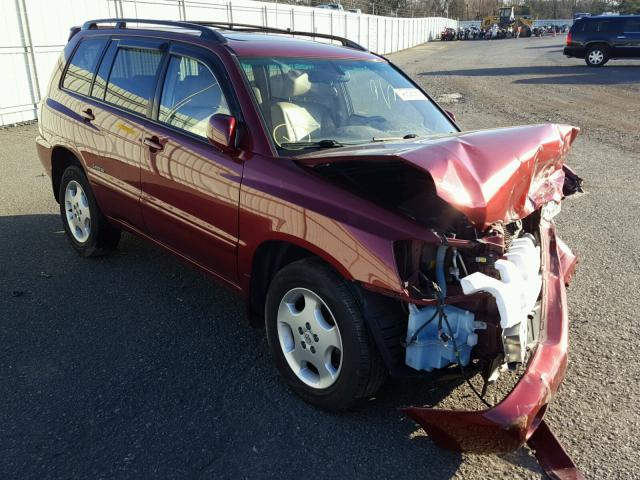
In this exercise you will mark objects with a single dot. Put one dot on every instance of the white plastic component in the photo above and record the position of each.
(517, 291)
(550, 210)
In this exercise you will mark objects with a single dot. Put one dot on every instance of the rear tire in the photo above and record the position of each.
(596, 56)
(88, 231)
(310, 307)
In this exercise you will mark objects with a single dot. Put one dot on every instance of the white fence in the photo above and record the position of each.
(32, 33)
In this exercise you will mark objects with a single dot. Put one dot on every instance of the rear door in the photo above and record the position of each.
(119, 103)
(191, 190)
(87, 124)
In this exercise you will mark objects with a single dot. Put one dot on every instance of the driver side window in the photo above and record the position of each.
(190, 95)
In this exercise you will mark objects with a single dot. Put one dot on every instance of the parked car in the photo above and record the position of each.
(449, 34)
(369, 235)
(581, 15)
(331, 6)
(599, 39)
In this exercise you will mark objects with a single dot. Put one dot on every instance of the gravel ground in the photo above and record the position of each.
(135, 365)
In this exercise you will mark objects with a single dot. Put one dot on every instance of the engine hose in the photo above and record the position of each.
(440, 279)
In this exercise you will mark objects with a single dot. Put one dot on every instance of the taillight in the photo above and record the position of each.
(569, 38)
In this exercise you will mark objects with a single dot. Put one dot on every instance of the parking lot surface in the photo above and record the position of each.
(135, 365)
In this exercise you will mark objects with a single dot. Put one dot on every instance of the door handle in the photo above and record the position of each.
(622, 36)
(153, 143)
(87, 115)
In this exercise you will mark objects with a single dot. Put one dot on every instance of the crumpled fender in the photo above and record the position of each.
(502, 174)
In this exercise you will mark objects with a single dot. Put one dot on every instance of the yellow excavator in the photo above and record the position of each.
(508, 22)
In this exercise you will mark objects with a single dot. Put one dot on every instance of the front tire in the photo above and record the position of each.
(318, 337)
(88, 231)
(596, 56)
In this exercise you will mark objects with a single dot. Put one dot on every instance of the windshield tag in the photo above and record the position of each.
(409, 94)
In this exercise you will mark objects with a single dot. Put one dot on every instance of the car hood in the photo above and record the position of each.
(501, 174)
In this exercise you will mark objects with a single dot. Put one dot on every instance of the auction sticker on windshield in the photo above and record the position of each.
(408, 94)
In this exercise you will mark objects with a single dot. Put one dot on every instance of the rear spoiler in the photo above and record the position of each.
(73, 31)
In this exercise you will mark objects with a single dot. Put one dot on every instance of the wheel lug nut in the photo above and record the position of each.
(313, 349)
(315, 337)
(300, 330)
(304, 345)
(308, 326)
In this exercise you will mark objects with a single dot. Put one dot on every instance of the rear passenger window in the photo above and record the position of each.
(133, 78)
(632, 25)
(191, 94)
(606, 26)
(82, 66)
(614, 26)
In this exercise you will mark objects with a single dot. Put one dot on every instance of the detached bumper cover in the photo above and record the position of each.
(509, 424)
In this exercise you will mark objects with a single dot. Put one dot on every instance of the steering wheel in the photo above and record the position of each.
(286, 139)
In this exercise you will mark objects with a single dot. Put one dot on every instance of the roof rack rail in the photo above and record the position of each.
(245, 27)
(205, 32)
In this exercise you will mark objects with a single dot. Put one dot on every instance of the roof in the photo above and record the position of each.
(245, 40)
(607, 17)
(249, 44)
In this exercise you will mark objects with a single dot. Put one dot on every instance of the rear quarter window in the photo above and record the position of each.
(82, 66)
(578, 27)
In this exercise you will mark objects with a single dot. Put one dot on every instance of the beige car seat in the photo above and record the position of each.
(294, 121)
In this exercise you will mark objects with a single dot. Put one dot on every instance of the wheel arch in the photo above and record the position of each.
(61, 158)
(268, 259)
(385, 319)
(593, 43)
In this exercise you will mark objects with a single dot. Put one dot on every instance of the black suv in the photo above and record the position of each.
(597, 39)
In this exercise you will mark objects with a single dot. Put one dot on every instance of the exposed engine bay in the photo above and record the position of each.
(474, 297)
(486, 297)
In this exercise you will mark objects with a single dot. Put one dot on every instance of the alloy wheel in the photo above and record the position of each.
(309, 338)
(77, 211)
(596, 57)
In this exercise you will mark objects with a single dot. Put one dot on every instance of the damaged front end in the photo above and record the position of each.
(539, 341)
(514, 313)
(488, 293)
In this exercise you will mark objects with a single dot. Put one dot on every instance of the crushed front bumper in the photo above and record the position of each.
(509, 424)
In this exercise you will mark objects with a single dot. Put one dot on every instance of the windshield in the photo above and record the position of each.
(328, 103)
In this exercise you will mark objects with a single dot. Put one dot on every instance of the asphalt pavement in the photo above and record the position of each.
(137, 366)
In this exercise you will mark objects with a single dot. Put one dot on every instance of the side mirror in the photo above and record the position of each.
(451, 115)
(221, 131)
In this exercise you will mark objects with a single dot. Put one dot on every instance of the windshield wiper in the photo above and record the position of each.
(391, 139)
(326, 143)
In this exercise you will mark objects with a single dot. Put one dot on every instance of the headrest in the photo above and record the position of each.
(258, 94)
(290, 84)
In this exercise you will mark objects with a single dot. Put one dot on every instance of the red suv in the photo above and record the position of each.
(368, 234)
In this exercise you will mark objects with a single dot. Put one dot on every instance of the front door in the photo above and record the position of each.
(191, 190)
(631, 38)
